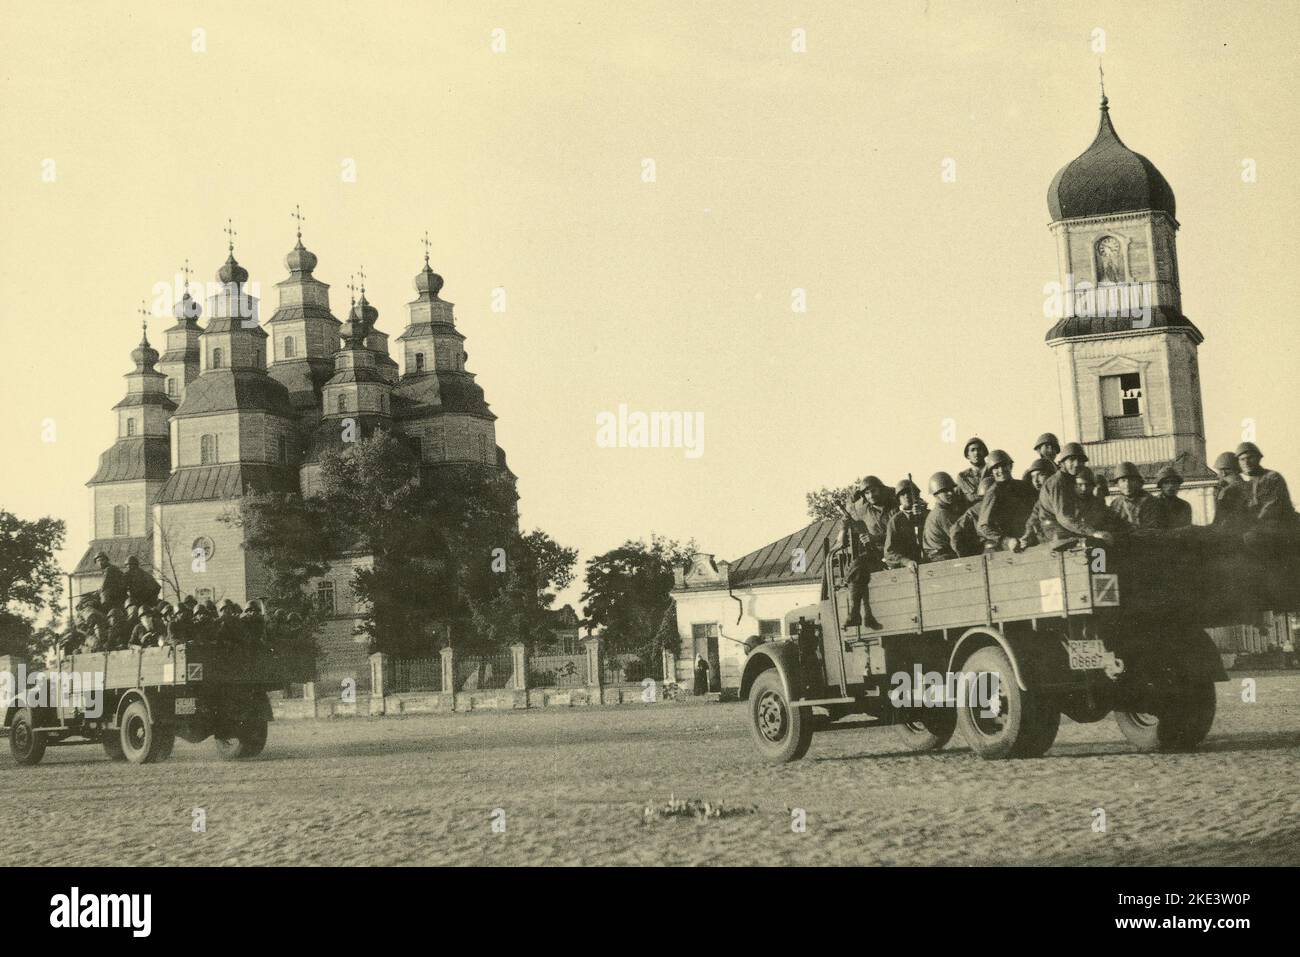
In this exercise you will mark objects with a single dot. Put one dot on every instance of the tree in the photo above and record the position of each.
(530, 571)
(827, 503)
(627, 593)
(30, 581)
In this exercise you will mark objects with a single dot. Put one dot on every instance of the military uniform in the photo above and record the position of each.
(1064, 508)
(1140, 511)
(936, 543)
(1004, 512)
(902, 544)
(113, 592)
(968, 483)
(964, 536)
(141, 586)
(1171, 512)
(1230, 505)
(1268, 501)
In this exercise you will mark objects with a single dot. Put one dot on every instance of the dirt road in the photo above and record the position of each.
(571, 786)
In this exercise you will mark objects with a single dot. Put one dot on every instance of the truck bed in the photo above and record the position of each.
(183, 664)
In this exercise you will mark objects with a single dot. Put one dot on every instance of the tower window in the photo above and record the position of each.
(419, 362)
(1121, 405)
(130, 427)
(171, 387)
(343, 403)
(121, 520)
(208, 449)
(216, 358)
(288, 347)
(325, 597)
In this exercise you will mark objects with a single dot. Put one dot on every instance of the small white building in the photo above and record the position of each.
(720, 604)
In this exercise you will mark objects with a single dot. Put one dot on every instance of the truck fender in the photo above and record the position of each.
(133, 694)
(781, 655)
(982, 636)
(1198, 658)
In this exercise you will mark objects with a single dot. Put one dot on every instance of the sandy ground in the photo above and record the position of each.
(573, 784)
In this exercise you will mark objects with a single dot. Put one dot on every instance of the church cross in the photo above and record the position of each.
(144, 319)
(362, 273)
(297, 214)
(230, 234)
(426, 247)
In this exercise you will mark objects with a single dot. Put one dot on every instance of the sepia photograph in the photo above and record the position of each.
(745, 435)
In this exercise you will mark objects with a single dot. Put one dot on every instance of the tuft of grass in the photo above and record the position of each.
(695, 808)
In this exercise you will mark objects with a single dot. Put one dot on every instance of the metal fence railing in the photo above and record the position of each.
(417, 674)
(484, 672)
(557, 671)
(630, 669)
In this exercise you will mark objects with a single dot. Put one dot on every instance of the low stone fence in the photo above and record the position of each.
(571, 676)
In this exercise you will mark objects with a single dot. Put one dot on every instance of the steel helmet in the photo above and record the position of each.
(870, 482)
(941, 481)
(1072, 450)
(1045, 439)
(1227, 460)
(998, 457)
(974, 440)
(1085, 474)
(1251, 447)
(1168, 474)
(1040, 465)
(904, 486)
(1127, 470)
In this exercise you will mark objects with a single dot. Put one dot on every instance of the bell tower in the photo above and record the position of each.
(1126, 355)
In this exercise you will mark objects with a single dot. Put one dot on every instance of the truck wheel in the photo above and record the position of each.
(929, 731)
(1180, 723)
(26, 744)
(247, 742)
(142, 741)
(1077, 710)
(782, 733)
(112, 742)
(1015, 724)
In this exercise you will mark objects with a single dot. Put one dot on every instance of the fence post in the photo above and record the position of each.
(670, 666)
(449, 674)
(309, 690)
(378, 683)
(519, 653)
(595, 667)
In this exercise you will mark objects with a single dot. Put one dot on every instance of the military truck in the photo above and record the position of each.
(1005, 643)
(136, 702)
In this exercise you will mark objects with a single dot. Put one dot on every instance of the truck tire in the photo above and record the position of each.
(112, 742)
(26, 744)
(142, 741)
(247, 742)
(1179, 724)
(1023, 723)
(929, 731)
(780, 732)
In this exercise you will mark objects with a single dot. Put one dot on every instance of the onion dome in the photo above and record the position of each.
(232, 271)
(428, 283)
(1108, 178)
(187, 309)
(144, 356)
(301, 260)
(361, 320)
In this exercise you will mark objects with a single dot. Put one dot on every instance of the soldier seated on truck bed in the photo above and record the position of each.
(1068, 513)
(1006, 507)
(948, 507)
(1036, 532)
(903, 530)
(1134, 504)
(1171, 511)
(964, 536)
(863, 534)
(1230, 515)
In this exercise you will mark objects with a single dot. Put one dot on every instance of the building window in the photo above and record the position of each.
(130, 427)
(769, 629)
(325, 597)
(208, 449)
(1121, 405)
(288, 347)
(419, 362)
(171, 387)
(216, 358)
(343, 403)
(121, 520)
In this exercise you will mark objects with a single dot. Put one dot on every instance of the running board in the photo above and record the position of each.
(811, 701)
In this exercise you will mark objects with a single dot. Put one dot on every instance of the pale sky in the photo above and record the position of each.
(775, 170)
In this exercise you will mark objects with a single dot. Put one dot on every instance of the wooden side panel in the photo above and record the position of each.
(952, 593)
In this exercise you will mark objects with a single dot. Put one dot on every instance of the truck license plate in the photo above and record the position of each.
(1086, 655)
(187, 705)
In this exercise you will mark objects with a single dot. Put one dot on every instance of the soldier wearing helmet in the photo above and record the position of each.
(1134, 504)
(1048, 446)
(1035, 532)
(1005, 509)
(1171, 511)
(968, 480)
(904, 527)
(113, 590)
(1229, 496)
(866, 521)
(965, 536)
(1268, 501)
(936, 544)
(1064, 513)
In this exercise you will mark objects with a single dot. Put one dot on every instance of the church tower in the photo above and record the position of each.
(131, 472)
(179, 364)
(1126, 355)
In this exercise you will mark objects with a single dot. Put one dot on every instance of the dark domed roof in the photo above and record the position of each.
(186, 310)
(300, 259)
(428, 282)
(1108, 178)
(232, 271)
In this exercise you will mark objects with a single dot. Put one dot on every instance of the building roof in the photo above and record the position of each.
(141, 457)
(235, 390)
(1162, 317)
(774, 564)
(118, 551)
(438, 391)
(1108, 177)
(214, 482)
(1190, 469)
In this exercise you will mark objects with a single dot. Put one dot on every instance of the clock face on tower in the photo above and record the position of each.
(1110, 260)
(203, 548)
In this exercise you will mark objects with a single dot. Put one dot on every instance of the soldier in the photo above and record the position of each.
(1094, 508)
(968, 480)
(1048, 446)
(1230, 496)
(113, 591)
(864, 532)
(118, 630)
(936, 545)
(904, 527)
(254, 624)
(1063, 513)
(1135, 505)
(1268, 501)
(965, 536)
(229, 629)
(140, 585)
(1035, 533)
(1006, 508)
(1171, 511)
